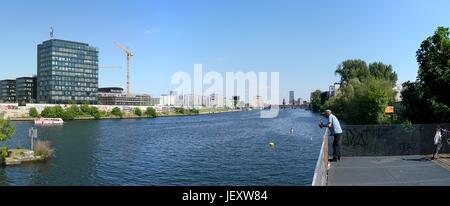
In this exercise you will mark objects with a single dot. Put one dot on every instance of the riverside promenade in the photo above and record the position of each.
(409, 170)
(377, 155)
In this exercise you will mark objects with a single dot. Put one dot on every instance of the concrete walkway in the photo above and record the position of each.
(412, 170)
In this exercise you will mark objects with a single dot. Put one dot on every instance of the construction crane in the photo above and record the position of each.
(129, 56)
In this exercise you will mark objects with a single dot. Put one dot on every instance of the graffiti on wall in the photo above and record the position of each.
(381, 140)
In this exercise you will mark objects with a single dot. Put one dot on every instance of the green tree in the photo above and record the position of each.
(150, 112)
(381, 71)
(33, 112)
(137, 111)
(316, 101)
(362, 102)
(7, 131)
(427, 100)
(417, 107)
(117, 112)
(350, 69)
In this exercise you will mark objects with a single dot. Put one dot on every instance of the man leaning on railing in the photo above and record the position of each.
(336, 131)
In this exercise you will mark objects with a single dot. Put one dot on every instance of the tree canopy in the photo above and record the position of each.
(427, 99)
(316, 100)
(353, 68)
(366, 90)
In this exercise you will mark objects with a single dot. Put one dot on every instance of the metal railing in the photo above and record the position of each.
(321, 172)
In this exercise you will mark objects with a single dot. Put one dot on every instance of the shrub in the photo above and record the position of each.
(3, 152)
(85, 108)
(97, 116)
(42, 148)
(94, 111)
(68, 115)
(33, 112)
(7, 130)
(150, 112)
(74, 109)
(116, 112)
(53, 112)
(137, 111)
(179, 110)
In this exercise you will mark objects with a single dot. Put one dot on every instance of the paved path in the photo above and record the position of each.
(412, 170)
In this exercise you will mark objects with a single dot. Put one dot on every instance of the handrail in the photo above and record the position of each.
(321, 171)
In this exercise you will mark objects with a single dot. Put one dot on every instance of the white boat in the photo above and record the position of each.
(48, 121)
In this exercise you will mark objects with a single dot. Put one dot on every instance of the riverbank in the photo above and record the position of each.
(130, 116)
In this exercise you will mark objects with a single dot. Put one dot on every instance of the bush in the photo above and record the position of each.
(7, 130)
(97, 116)
(150, 112)
(53, 112)
(116, 112)
(33, 112)
(138, 111)
(94, 111)
(193, 111)
(74, 109)
(85, 108)
(3, 152)
(179, 110)
(42, 148)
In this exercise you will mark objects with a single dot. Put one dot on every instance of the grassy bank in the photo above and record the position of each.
(132, 115)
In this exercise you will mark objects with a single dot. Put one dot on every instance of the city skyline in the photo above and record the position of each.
(297, 40)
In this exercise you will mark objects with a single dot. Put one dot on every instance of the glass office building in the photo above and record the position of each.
(8, 90)
(26, 89)
(67, 72)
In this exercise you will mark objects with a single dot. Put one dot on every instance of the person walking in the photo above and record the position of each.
(438, 141)
(336, 131)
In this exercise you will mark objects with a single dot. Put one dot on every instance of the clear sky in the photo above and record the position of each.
(303, 40)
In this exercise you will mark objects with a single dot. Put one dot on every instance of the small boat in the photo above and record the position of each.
(48, 121)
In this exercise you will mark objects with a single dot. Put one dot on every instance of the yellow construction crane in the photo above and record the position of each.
(129, 56)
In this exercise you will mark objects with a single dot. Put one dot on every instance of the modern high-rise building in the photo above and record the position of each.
(299, 101)
(67, 71)
(8, 90)
(26, 89)
(291, 97)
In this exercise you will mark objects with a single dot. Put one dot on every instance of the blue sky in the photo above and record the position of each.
(303, 40)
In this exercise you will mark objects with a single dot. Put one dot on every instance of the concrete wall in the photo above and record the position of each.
(389, 140)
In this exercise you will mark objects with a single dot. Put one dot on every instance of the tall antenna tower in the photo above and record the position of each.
(52, 32)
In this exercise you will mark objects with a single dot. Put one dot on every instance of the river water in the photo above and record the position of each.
(230, 149)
